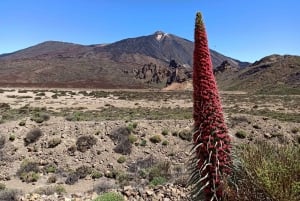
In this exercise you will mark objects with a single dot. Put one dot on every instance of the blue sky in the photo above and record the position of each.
(243, 29)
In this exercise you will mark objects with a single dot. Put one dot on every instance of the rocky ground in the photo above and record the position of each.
(74, 145)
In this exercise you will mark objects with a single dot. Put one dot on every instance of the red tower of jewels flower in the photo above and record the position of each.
(211, 142)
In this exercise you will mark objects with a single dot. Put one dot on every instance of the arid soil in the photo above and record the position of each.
(159, 126)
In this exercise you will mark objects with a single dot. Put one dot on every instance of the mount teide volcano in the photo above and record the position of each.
(60, 64)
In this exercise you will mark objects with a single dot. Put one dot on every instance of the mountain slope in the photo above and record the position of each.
(60, 64)
(274, 74)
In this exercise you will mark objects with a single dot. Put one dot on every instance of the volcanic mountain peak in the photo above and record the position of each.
(160, 35)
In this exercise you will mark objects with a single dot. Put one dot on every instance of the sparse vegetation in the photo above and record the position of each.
(50, 190)
(165, 132)
(2, 141)
(10, 195)
(32, 136)
(53, 142)
(121, 159)
(85, 142)
(268, 171)
(155, 139)
(96, 174)
(241, 134)
(109, 196)
(185, 134)
(28, 172)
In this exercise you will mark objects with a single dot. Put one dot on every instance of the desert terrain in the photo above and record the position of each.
(79, 143)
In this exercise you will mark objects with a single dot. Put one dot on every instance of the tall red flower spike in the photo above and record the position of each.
(211, 143)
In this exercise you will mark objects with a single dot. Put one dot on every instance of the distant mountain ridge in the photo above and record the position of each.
(61, 64)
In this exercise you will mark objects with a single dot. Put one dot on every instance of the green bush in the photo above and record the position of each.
(165, 132)
(155, 139)
(132, 138)
(2, 186)
(122, 159)
(110, 196)
(96, 174)
(158, 181)
(29, 177)
(268, 169)
(51, 168)
(12, 137)
(143, 143)
(28, 171)
(165, 143)
(50, 190)
(241, 134)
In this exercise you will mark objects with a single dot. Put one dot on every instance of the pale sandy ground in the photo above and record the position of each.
(69, 130)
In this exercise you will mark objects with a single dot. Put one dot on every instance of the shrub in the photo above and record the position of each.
(50, 190)
(165, 132)
(185, 135)
(132, 138)
(104, 185)
(12, 137)
(32, 136)
(28, 171)
(161, 169)
(241, 134)
(268, 170)
(71, 150)
(54, 142)
(96, 174)
(83, 171)
(72, 178)
(165, 143)
(122, 159)
(295, 130)
(110, 196)
(51, 179)
(256, 126)
(40, 117)
(143, 143)
(29, 177)
(155, 139)
(84, 143)
(50, 168)
(2, 141)
(158, 181)
(22, 123)
(120, 134)
(9, 195)
(175, 133)
(2, 186)
(123, 147)
(141, 163)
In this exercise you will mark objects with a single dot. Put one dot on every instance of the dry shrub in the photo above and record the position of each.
(123, 147)
(84, 143)
(2, 141)
(32, 136)
(10, 195)
(54, 142)
(121, 136)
